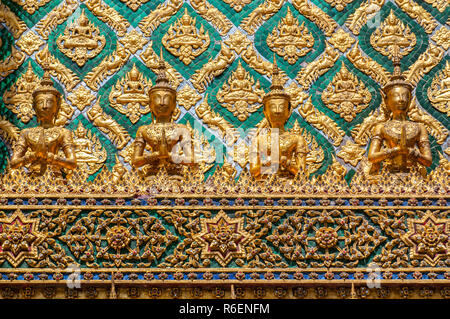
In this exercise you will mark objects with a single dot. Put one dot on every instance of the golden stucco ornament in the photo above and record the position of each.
(289, 39)
(240, 94)
(184, 40)
(398, 142)
(275, 150)
(81, 40)
(439, 91)
(89, 151)
(38, 148)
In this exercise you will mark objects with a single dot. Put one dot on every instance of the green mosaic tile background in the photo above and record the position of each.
(258, 39)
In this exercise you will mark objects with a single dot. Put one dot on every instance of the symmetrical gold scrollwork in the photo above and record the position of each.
(56, 68)
(105, 123)
(129, 95)
(55, 17)
(187, 97)
(346, 95)
(316, 15)
(240, 94)
(108, 66)
(81, 97)
(441, 37)
(30, 42)
(212, 15)
(133, 41)
(31, 6)
(393, 37)
(289, 39)
(341, 40)
(81, 40)
(351, 153)
(439, 91)
(134, 4)
(237, 5)
(339, 4)
(184, 40)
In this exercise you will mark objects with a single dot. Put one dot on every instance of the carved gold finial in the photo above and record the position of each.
(276, 88)
(46, 84)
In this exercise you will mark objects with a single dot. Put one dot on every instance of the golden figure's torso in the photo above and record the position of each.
(54, 138)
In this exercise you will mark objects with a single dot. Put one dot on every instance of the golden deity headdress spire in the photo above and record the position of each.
(46, 84)
(276, 88)
(397, 77)
(162, 81)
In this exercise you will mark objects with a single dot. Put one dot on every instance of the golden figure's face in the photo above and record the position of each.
(162, 103)
(46, 106)
(277, 110)
(398, 99)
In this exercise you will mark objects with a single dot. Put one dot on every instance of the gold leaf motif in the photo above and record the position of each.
(240, 154)
(14, 24)
(441, 5)
(81, 98)
(187, 97)
(19, 97)
(212, 15)
(216, 121)
(351, 153)
(237, 5)
(341, 40)
(89, 151)
(364, 13)
(439, 91)
(133, 41)
(184, 40)
(81, 41)
(129, 95)
(316, 15)
(31, 6)
(105, 123)
(238, 42)
(30, 43)
(55, 17)
(108, 15)
(289, 39)
(415, 11)
(393, 38)
(240, 94)
(346, 95)
(261, 14)
(441, 37)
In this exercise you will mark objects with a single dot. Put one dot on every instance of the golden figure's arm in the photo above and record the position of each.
(424, 157)
(69, 161)
(255, 160)
(140, 159)
(19, 158)
(375, 154)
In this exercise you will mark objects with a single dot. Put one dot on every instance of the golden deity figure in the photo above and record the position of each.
(275, 150)
(170, 143)
(39, 148)
(398, 143)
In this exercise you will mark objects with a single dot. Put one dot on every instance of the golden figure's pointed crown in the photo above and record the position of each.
(397, 77)
(46, 84)
(276, 88)
(162, 81)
